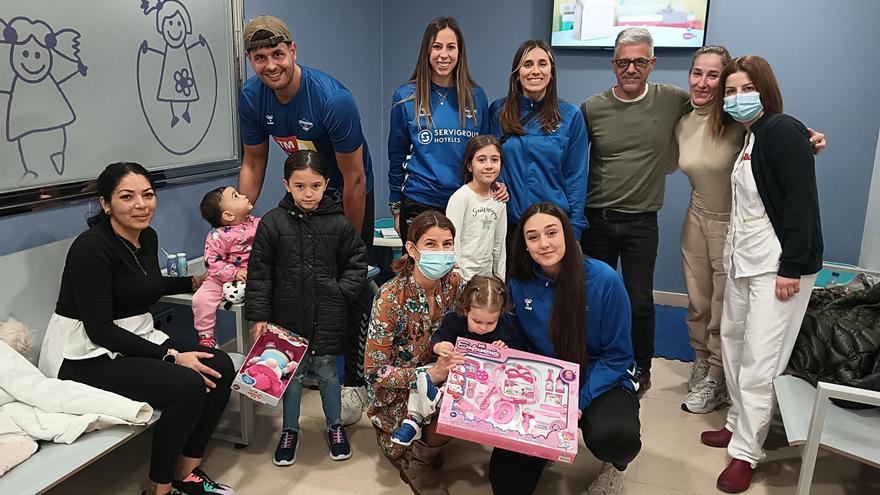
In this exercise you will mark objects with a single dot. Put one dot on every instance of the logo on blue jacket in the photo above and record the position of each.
(426, 136)
(305, 124)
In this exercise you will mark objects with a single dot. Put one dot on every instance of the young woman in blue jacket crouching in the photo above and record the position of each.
(576, 309)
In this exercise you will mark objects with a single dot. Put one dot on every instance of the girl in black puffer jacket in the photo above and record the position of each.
(307, 265)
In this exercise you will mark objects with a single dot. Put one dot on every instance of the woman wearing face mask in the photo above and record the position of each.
(433, 116)
(544, 139)
(407, 311)
(707, 159)
(772, 254)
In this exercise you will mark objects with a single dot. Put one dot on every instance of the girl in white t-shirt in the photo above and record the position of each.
(480, 220)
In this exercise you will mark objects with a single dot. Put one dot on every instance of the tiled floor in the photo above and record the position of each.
(672, 460)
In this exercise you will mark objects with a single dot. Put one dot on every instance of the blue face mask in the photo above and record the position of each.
(743, 107)
(435, 264)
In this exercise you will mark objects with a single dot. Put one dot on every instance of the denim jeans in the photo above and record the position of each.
(324, 369)
(632, 239)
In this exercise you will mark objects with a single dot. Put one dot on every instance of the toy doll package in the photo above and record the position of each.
(513, 400)
(270, 365)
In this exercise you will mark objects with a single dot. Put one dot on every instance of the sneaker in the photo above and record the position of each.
(699, 372)
(285, 452)
(408, 432)
(340, 450)
(608, 482)
(199, 483)
(207, 341)
(644, 383)
(707, 396)
(353, 401)
(716, 438)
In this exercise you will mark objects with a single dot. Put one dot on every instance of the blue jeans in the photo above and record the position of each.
(324, 369)
(631, 239)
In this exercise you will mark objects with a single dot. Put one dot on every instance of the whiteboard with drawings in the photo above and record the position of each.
(84, 83)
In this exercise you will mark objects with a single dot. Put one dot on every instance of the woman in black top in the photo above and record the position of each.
(772, 254)
(102, 332)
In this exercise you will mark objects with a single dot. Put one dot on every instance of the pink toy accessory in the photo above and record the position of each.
(500, 397)
(270, 365)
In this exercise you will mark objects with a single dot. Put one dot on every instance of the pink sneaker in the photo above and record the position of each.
(736, 477)
(716, 438)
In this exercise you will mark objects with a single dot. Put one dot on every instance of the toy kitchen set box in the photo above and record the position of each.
(513, 400)
(270, 365)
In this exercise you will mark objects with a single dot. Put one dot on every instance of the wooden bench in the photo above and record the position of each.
(812, 420)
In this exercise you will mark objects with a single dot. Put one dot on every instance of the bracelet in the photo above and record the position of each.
(394, 206)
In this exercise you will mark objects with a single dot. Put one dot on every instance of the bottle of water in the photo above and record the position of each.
(834, 280)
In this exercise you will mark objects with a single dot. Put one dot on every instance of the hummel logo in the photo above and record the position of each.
(528, 303)
(270, 120)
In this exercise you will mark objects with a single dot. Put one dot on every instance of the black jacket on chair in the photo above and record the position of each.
(305, 269)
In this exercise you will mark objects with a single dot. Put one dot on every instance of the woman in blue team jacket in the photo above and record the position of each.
(576, 309)
(433, 117)
(545, 139)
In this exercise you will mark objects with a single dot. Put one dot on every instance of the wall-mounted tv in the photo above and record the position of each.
(596, 23)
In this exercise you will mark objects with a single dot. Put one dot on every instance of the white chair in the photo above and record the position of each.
(811, 420)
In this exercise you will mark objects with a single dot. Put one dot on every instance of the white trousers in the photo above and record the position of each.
(419, 406)
(758, 332)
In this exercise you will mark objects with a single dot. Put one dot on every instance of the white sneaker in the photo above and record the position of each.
(608, 482)
(708, 395)
(353, 401)
(699, 372)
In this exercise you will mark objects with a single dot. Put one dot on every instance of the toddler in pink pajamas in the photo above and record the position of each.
(227, 249)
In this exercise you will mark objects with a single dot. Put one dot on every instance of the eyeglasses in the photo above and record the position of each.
(623, 63)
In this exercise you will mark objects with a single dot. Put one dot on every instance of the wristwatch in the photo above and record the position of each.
(170, 356)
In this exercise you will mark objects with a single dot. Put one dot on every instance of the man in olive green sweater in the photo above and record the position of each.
(631, 130)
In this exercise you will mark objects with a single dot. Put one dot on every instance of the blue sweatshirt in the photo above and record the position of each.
(545, 167)
(609, 345)
(433, 171)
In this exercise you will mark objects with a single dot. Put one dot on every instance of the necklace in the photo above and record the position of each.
(130, 250)
(442, 96)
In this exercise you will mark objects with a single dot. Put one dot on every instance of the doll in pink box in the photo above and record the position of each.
(481, 313)
(227, 249)
(269, 368)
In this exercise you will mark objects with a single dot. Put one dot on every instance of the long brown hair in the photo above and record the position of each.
(476, 144)
(549, 114)
(567, 325)
(420, 224)
(461, 75)
(763, 79)
(485, 292)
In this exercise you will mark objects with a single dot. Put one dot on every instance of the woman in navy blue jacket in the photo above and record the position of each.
(545, 139)
(433, 116)
(573, 308)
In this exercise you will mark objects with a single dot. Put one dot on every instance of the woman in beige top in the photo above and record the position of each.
(707, 161)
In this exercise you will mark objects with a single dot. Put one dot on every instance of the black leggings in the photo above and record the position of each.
(189, 414)
(610, 425)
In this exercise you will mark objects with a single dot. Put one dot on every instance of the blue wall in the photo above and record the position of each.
(824, 61)
(822, 53)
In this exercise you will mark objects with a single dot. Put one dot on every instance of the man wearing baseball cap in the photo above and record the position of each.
(304, 108)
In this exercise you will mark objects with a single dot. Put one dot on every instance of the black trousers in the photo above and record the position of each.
(632, 239)
(189, 414)
(358, 316)
(410, 209)
(610, 425)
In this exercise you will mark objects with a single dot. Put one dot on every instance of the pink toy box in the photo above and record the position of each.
(514, 400)
(269, 366)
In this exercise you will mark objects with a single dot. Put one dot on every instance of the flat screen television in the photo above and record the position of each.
(596, 23)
